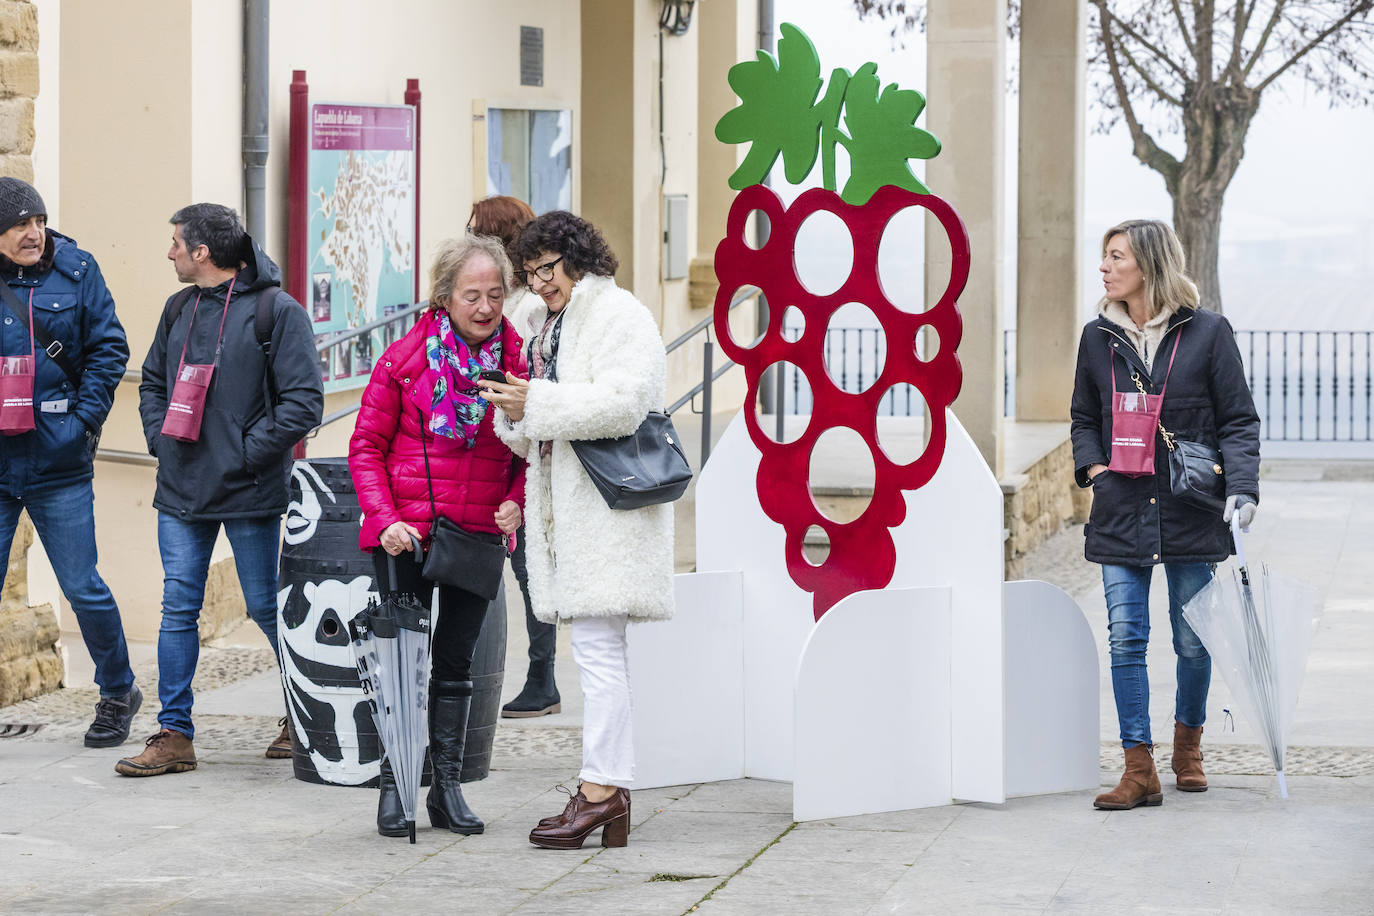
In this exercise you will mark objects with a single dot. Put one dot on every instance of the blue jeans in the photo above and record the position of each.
(64, 518)
(186, 547)
(1128, 622)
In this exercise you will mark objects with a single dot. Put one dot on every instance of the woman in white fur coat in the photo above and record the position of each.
(597, 368)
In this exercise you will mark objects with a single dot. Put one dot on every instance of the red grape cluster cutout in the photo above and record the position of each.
(862, 554)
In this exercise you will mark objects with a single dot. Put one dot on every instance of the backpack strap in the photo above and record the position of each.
(174, 307)
(263, 321)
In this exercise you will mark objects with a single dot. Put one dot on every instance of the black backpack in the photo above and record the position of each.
(262, 328)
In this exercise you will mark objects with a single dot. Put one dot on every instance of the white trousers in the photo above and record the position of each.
(598, 647)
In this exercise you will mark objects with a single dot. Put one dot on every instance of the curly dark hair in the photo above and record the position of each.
(577, 241)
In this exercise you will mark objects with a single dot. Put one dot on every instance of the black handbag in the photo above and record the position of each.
(470, 560)
(645, 468)
(1196, 475)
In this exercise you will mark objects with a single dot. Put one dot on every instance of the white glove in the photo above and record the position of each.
(1242, 506)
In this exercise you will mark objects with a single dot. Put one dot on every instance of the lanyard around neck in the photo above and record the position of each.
(218, 337)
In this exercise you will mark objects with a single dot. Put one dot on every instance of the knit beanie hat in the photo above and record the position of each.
(18, 201)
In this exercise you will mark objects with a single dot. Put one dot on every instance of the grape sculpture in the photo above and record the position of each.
(779, 115)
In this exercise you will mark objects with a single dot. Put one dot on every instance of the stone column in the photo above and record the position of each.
(727, 36)
(1050, 206)
(615, 114)
(965, 92)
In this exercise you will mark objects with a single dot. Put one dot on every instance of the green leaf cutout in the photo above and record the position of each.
(778, 115)
(777, 111)
(883, 136)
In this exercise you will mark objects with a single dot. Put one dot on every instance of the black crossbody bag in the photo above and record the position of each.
(1196, 474)
(470, 560)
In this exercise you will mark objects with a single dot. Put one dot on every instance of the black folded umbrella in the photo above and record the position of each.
(391, 648)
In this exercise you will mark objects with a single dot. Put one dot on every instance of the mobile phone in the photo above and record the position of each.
(492, 375)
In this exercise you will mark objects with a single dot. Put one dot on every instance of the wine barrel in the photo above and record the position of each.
(324, 580)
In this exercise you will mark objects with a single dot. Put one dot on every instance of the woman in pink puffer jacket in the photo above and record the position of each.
(425, 385)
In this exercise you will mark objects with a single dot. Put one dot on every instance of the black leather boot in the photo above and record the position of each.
(449, 705)
(391, 820)
(539, 696)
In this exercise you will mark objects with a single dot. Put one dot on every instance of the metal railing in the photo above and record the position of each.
(392, 326)
(708, 372)
(1308, 386)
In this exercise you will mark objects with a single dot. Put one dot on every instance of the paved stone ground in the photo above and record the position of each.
(240, 834)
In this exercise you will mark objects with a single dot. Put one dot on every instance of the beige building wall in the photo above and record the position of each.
(121, 155)
(127, 152)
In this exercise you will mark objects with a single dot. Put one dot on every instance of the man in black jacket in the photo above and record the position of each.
(222, 404)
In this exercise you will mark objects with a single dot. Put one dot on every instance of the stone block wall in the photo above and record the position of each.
(30, 663)
(1038, 503)
(224, 608)
(18, 86)
(29, 660)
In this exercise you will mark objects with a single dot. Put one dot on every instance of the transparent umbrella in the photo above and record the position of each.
(1258, 630)
(391, 648)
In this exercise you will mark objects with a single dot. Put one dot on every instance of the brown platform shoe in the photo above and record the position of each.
(1139, 784)
(281, 748)
(1187, 761)
(166, 752)
(581, 817)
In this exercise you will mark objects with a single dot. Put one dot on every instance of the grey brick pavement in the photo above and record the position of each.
(240, 834)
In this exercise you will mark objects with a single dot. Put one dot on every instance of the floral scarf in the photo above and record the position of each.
(456, 409)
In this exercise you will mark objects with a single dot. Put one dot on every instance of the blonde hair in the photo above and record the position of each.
(1159, 254)
(453, 255)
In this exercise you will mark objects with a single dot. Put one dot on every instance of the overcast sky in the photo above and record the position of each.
(1297, 229)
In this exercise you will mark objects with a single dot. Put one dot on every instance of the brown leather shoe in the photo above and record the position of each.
(281, 748)
(568, 809)
(1139, 784)
(166, 752)
(1187, 762)
(581, 817)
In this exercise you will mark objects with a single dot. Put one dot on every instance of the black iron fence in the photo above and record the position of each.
(1309, 386)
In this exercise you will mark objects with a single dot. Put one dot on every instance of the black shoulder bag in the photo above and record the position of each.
(645, 468)
(1196, 475)
(470, 560)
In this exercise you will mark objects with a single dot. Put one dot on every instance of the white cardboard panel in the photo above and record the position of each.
(687, 682)
(734, 534)
(952, 536)
(873, 706)
(1052, 691)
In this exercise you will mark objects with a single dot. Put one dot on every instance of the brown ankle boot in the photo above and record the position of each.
(1187, 762)
(1139, 784)
(166, 752)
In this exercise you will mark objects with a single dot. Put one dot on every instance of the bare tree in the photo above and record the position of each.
(1199, 68)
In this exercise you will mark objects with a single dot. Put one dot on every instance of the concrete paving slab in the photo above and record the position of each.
(241, 834)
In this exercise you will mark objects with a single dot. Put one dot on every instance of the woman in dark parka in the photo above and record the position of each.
(1149, 327)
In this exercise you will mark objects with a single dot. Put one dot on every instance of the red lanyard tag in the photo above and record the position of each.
(186, 405)
(16, 388)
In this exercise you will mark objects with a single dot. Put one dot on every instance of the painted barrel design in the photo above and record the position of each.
(323, 581)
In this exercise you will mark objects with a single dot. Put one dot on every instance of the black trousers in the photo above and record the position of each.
(458, 623)
(543, 636)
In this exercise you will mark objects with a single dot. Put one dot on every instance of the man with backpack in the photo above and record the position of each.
(230, 384)
(64, 353)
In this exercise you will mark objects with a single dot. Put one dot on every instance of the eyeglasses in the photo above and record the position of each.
(543, 272)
